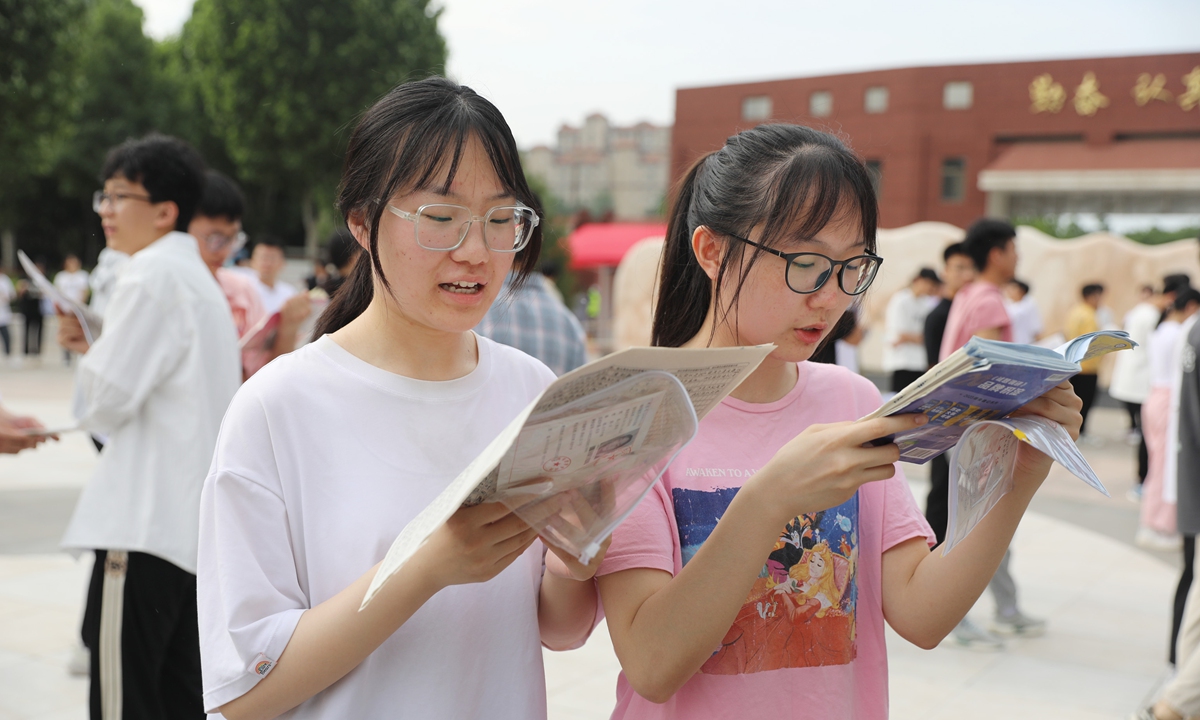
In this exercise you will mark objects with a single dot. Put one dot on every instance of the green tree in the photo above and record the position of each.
(283, 80)
(35, 91)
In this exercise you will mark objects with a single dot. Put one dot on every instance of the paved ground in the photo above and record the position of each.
(1107, 602)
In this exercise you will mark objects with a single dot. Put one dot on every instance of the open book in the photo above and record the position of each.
(88, 320)
(582, 455)
(968, 398)
(986, 380)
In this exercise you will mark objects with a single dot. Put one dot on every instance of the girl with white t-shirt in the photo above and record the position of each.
(328, 452)
(756, 577)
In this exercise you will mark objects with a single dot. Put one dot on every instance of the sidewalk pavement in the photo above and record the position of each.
(1107, 603)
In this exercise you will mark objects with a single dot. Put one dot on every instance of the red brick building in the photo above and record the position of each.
(951, 143)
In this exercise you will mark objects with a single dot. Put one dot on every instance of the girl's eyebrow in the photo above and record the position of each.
(822, 243)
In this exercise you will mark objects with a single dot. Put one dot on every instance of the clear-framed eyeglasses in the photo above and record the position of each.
(443, 227)
(807, 272)
(100, 198)
(217, 242)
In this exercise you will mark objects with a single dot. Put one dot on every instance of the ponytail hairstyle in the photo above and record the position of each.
(790, 180)
(400, 145)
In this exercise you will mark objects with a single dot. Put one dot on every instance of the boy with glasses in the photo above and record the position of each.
(156, 382)
(217, 227)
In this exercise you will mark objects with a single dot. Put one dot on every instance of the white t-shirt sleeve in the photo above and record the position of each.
(144, 340)
(248, 593)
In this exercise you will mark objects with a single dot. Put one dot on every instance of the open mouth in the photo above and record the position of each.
(462, 288)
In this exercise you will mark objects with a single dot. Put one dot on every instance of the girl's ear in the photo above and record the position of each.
(707, 248)
(357, 223)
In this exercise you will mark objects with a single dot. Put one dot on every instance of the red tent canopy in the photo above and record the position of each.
(604, 244)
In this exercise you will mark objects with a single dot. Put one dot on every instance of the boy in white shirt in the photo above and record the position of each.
(156, 382)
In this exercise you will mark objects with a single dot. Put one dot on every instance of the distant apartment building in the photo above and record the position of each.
(600, 167)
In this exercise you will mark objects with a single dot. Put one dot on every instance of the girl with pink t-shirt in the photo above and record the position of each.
(756, 577)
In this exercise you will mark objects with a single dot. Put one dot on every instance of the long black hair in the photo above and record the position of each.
(399, 145)
(791, 180)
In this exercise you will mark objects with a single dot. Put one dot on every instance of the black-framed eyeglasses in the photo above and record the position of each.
(807, 272)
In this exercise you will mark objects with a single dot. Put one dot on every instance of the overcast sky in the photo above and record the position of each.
(546, 62)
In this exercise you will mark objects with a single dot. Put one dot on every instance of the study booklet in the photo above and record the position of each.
(968, 398)
(88, 320)
(986, 380)
(582, 455)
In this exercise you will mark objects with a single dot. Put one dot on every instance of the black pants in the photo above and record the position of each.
(903, 378)
(1085, 388)
(1181, 592)
(1135, 423)
(937, 504)
(141, 620)
(6, 339)
(33, 334)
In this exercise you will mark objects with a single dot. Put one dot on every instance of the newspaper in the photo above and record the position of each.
(88, 320)
(986, 380)
(981, 467)
(581, 456)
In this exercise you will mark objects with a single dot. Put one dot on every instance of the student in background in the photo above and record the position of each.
(217, 227)
(528, 317)
(958, 270)
(72, 281)
(267, 259)
(8, 293)
(156, 382)
(1081, 320)
(1131, 373)
(343, 252)
(1024, 313)
(756, 576)
(904, 329)
(978, 311)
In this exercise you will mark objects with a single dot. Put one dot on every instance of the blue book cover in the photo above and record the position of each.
(994, 380)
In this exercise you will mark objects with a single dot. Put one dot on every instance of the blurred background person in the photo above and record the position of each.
(1081, 320)
(528, 317)
(8, 293)
(267, 259)
(978, 311)
(343, 251)
(72, 282)
(1130, 382)
(1023, 311)
(904, 329)
(30, 306)
(1157, 521)
(319, 276)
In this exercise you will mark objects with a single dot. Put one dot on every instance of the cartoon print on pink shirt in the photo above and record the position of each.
(801, 610)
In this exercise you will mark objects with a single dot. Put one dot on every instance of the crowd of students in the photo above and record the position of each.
(238, 524)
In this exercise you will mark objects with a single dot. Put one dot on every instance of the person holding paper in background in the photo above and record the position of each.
(326, 454)
(156, 382)
(755, 578)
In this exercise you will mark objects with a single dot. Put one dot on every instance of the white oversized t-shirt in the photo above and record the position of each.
(322, 460)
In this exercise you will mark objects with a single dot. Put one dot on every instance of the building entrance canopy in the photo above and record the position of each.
(1135, 176)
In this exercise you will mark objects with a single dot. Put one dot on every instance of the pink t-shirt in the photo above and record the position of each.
(247, 309)
(809, 640)
(977, 306)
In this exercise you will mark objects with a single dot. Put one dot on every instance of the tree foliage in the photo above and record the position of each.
(36, 72)
(266, 90)
(282, 80)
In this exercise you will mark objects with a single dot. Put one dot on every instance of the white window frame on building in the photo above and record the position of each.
(875, 99)
(757, 107)
(820, 103)
(958, 95)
